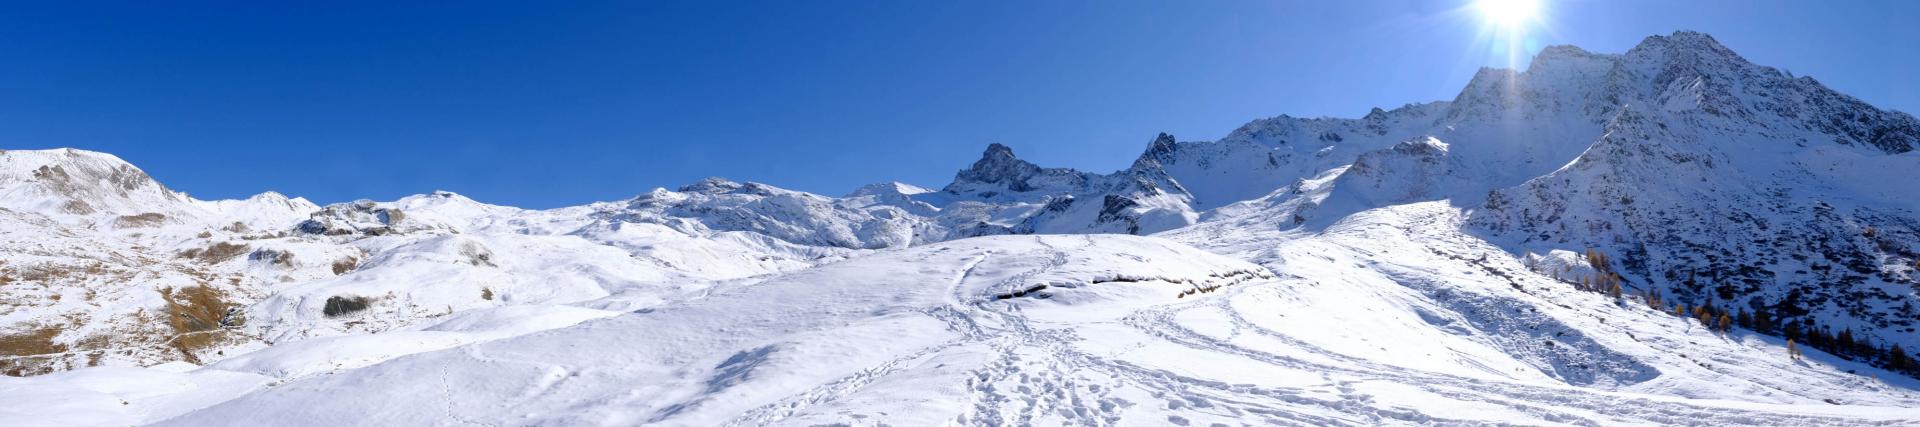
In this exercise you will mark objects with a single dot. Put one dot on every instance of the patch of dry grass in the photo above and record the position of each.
(76, 207)
(194, 314)
(216, 253)
(145, 220)
(345, 265)
(31, 343)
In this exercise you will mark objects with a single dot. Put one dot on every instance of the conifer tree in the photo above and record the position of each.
(1793, 351)
(1898, 361)
(1726, 323)
(1844, 343)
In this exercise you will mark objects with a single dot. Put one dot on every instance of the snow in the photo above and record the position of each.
(708, 360)
(918, 336)
(117, 395)
(338, 353)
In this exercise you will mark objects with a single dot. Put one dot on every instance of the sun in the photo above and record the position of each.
(1508, 14)
(1510, 25)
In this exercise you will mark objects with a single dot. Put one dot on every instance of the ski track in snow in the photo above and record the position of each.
(1036, 373)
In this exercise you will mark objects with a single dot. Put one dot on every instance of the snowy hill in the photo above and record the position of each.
(1597, 239)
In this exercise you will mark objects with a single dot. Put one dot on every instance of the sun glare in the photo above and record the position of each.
(1509, 24)
(1509, 15)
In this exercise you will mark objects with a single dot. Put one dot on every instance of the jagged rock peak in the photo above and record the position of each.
(1164, 144)
(997, 150)
(998, 165)
(1162, 140)
(1163, 149)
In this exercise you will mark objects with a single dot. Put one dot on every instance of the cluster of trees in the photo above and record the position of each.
(1799, 333)
(1709, 316)
(1603, 280)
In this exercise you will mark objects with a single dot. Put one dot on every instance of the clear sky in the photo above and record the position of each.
(546, 104)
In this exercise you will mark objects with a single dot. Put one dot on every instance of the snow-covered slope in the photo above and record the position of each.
(1451, 262)
(1377, 321)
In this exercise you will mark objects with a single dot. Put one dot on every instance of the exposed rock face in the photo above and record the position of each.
(359, 217)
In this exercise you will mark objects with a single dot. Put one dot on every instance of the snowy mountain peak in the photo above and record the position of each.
(77, 184)
(1685, 42)
(1692, 73)
(1691, 58)
(1560, 51)
(890, 188)
(1375, 114)
(76, 170)
(711, 185)
(269, 196)
(273, 199)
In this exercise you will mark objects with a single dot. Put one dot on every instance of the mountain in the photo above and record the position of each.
(1668, 235)
(1729, 184)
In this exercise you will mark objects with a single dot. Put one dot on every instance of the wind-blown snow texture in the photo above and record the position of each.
(1414, 266)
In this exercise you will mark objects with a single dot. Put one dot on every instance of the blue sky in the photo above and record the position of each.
(546, 104)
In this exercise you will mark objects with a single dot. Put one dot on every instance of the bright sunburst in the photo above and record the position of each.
(1509, 15)
(1509, 24)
